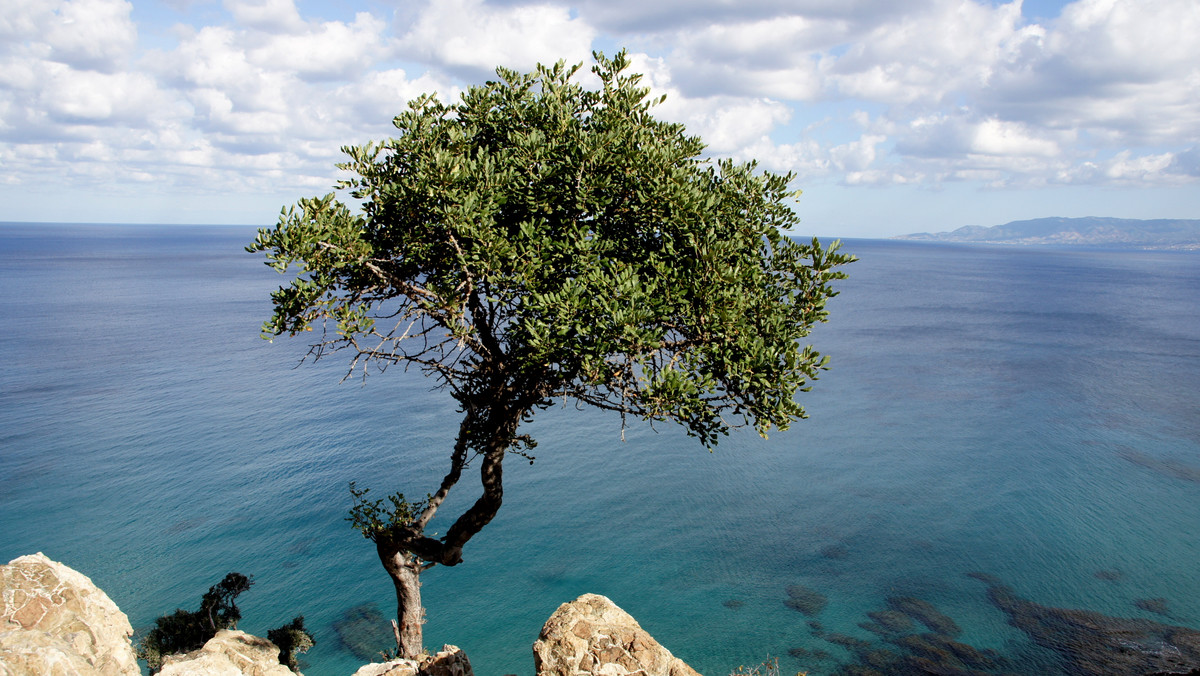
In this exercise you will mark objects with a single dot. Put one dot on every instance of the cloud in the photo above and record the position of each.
(963, 134)
(272, 16)
(638, 17)
(80, 96)
(84, 34)
(473, 37)
(726, 123)
(262, 104)
(381, 95)
(929, 57)
(862, 92)
(332, 50)
(1186, 163)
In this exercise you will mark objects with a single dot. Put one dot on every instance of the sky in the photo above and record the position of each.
(894, 117)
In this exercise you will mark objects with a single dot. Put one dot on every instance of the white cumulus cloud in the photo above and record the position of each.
(475, 36)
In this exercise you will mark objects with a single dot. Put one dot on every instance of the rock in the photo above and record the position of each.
(364, 632)
(1092, 644)
(229, 653)
(392, 668)
(808, 601)
(53, 620)
(925, 613)
(449, 661)
(1155, 605)
(892, 620)
(36, 652)
(592, 636)
(835, 552)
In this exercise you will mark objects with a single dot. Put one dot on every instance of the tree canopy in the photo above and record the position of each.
(538, 240)
(571, 237)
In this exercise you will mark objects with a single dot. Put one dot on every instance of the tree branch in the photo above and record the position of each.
(458, 460)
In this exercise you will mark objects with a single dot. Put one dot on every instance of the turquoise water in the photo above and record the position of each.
(1028, 413)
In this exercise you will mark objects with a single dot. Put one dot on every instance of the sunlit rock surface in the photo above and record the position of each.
(229, 653)
(53, 620)
(449, 661)
(591, 635)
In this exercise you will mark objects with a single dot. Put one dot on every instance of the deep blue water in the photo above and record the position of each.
(1029, 413)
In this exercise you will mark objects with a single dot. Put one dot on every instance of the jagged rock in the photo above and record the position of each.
(229, 653)
(591, 636)
(449, 661)
(53, 620)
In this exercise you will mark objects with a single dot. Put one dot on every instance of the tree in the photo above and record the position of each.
(292, 639)
(184, 631)
(539, 241)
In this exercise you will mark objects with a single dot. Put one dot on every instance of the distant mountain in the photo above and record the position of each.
(1089, 231)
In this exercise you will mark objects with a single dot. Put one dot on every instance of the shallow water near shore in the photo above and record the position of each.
(1031, 414)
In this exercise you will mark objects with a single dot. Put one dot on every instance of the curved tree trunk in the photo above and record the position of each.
(406, 551)
(405, 571)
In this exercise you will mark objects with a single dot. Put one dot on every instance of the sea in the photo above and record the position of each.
(1024, 416)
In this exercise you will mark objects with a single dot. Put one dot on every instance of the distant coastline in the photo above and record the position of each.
(1092, 231)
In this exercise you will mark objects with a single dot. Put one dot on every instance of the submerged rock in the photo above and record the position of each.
(851, 643)
(808, 601)
(901, 651)
(941, 650)
(1176, 469)
(364, 632)
(1092, 644)
(892, 620)
(925, 613)
(807, 654)
(835, 552)
(1156, 605)
(591, 635)
(54, 620)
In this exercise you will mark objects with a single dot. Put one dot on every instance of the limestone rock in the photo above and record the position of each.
(591, 636)
(36, 652)
(50, 615)
(393, 668)
(229, 653)
(449, 661)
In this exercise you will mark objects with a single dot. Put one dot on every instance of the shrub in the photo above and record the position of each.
(292, 640)
(184, 631)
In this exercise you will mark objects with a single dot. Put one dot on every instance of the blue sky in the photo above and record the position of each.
(896, 117)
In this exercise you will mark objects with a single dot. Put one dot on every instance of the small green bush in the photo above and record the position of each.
(292, 640)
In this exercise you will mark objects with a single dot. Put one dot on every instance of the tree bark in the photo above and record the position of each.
(405, 571)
